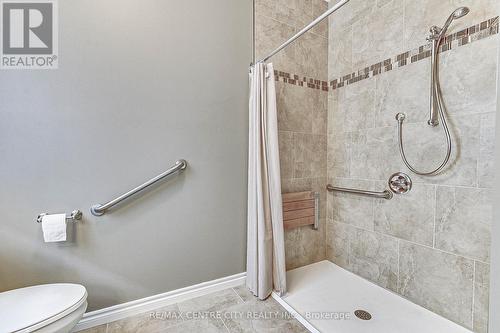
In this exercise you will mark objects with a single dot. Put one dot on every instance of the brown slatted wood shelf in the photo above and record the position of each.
(300, 209)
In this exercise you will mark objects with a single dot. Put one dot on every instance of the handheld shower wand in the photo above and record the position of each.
(437, 35)
(437, 108)
(458, 13)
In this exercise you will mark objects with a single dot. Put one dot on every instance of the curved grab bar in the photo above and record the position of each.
(100, 209)
(381, 195)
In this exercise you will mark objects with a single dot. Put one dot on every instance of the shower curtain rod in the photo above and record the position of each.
(306, 29)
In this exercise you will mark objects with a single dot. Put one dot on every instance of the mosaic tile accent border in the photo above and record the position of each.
(474, 33)
(301, 81)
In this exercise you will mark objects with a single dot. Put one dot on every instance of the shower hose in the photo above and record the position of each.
(400, 117)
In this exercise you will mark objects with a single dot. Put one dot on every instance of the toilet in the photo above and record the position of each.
(48, 308)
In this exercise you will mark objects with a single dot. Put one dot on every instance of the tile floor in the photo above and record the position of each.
(227, 311)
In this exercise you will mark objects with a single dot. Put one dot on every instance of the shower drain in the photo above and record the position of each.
(363, 315)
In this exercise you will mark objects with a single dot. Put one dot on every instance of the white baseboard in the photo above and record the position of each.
(120, 311)
(294, 313)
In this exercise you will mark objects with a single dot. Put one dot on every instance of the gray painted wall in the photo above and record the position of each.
(140, 84)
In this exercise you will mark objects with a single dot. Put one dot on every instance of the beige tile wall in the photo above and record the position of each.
(432, 245)
(302, 111)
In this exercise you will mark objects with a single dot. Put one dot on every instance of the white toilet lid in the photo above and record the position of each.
(26, 307)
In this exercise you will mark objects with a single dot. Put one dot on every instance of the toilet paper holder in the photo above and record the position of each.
(73, 217)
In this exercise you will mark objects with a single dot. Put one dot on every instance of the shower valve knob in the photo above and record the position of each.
(400, 183)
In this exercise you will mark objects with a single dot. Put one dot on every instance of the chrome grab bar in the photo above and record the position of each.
(100, 209)
(381, 195)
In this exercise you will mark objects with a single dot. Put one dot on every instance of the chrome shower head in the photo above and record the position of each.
(458, 13)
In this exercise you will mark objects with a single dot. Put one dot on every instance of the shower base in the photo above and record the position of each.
(324, 297)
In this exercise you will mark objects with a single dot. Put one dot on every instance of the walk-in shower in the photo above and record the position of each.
(437, 105)
(410, 254)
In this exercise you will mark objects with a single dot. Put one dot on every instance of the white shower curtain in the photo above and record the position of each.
(265, 240)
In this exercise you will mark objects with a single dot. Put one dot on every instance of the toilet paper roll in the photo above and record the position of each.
(54, 228)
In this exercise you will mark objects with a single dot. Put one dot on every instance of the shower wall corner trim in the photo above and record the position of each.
(124, 310)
